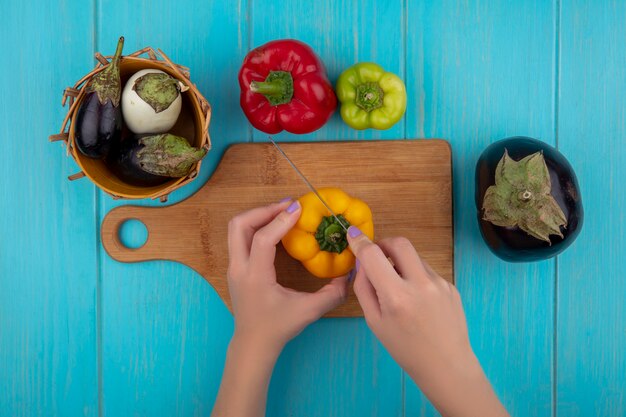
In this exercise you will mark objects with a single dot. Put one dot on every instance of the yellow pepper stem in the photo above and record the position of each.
(331, 236)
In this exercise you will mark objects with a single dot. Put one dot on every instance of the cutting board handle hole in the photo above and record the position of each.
(133, 233)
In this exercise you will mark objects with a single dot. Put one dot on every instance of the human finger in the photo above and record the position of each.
(366, 294)
(373, 260)
(436, 277)
(405, 258)
(326, 298)
(264, 241)
(241, 228)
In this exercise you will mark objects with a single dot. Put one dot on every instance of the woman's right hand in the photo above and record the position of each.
(418, 316)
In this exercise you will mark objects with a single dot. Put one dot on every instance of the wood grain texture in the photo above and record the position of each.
(164, 329)
(414, 174)
(47, 223)
(591, 321)
(479, 72)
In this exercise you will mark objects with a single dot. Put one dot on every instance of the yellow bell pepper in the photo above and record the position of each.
(318, 240)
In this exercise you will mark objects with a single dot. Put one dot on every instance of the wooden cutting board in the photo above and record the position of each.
(407, 184)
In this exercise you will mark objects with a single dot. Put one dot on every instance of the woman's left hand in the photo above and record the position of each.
(266, 313)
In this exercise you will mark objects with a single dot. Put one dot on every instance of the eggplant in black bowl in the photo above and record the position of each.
(150, 160)
(528, 200)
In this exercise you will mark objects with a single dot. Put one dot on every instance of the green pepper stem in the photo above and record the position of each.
(369, 96)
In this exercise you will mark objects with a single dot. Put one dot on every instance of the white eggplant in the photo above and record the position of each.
(151, 101)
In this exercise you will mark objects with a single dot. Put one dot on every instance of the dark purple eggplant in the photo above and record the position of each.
(99, 117)
(149, 160)
(528, 200)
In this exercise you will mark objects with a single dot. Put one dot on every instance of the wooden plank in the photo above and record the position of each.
(591, 321)
(195, 231)
(47, 224)
(165, 330)
(478, 72)
(344, 365)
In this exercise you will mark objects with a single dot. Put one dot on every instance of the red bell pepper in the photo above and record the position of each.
(284, 86)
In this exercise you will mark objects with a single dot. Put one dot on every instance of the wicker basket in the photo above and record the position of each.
(192, 124)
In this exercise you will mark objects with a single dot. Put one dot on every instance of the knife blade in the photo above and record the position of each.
(308, 183)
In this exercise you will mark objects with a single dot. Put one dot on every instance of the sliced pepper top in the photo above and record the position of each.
(370, 97)
(318, 241)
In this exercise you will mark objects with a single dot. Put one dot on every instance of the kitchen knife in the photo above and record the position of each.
(308, 183)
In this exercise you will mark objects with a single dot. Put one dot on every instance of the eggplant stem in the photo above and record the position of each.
(526, 195)
(118, 51)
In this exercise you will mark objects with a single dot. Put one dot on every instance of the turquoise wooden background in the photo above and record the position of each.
(81, 334)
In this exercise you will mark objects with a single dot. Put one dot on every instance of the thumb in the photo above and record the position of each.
(371, 258)
(327, 298)
(357, 240)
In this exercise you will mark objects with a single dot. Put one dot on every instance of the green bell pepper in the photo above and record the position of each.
(370, 97)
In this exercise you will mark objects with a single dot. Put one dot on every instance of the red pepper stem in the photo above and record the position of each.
(277, 87)
(272, 88)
